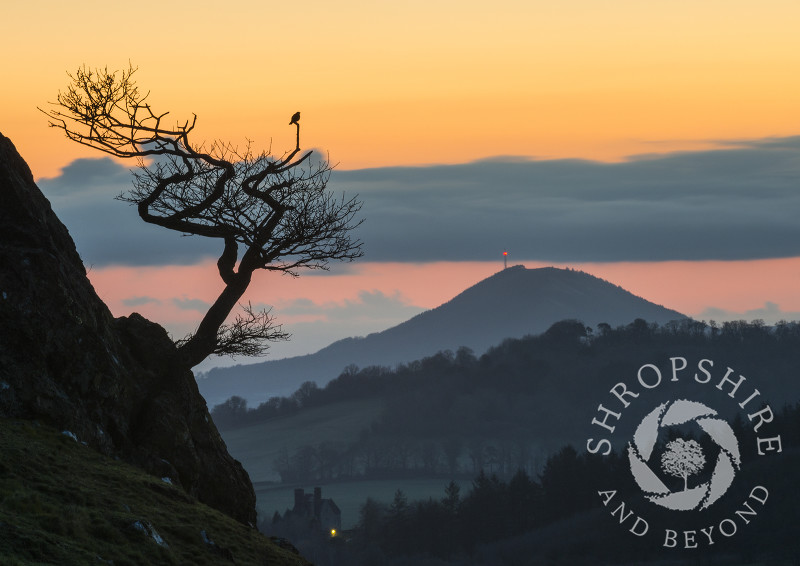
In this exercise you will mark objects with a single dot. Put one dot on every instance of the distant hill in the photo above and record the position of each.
(511, 407)
(512, 303)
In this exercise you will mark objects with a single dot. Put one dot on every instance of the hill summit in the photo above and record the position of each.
(509, 304)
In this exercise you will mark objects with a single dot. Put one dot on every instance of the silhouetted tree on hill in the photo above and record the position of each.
(271, 213)
(232, 412)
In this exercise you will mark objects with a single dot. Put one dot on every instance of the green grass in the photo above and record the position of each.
(257, 446)
(63, 503)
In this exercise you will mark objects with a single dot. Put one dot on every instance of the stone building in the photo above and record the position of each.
(312, 512)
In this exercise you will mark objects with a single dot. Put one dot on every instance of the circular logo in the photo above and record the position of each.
(683, 458)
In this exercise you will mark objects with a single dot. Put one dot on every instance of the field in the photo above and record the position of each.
(350, 496)
(257, 446)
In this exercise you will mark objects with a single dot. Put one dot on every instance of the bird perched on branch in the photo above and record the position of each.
(295, 118)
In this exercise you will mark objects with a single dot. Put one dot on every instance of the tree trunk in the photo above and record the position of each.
(204, 341)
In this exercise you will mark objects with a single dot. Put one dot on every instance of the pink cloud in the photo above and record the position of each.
(165, 294)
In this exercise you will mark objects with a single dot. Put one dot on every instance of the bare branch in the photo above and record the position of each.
(248, 335)
(276, 211)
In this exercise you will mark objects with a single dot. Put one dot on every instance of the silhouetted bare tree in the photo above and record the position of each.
(271, 213)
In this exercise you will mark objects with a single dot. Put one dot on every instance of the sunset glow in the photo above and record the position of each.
(421, 83)
(735, 290)
(380, 85)
(679, 285)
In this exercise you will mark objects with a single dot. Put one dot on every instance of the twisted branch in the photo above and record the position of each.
(276, 211)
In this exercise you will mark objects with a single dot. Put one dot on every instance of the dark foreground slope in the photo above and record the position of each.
(510, 304)
(116, 384)
(64, 503)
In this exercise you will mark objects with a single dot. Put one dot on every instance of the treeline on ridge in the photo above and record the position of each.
(455, 414)
(518, 364)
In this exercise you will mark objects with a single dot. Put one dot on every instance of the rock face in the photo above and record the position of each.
(115, 383)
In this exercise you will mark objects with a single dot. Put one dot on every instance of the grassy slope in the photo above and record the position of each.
(63, 503)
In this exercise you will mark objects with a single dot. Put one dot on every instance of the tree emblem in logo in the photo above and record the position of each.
(683, 458)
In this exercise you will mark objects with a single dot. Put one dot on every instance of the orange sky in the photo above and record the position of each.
(384, 83)
(420, 82)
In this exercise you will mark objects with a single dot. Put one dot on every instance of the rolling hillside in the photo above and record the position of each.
(510, 304)
(448, 417)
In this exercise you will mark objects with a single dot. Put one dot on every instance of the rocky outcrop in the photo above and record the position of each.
(116, 383)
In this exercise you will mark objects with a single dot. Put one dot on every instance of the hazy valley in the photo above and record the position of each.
(521, 407)
(515, 409)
